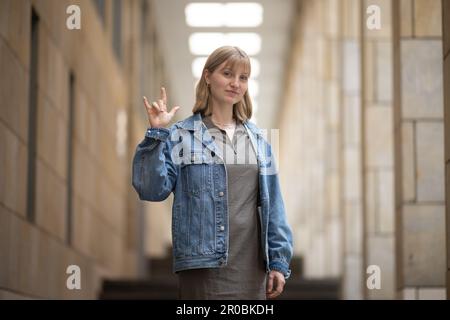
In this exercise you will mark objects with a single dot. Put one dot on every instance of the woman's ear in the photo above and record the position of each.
(206, 75)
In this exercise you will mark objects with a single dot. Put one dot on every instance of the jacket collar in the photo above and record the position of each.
(194, 123)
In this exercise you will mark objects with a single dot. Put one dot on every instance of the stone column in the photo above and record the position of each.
(332, 69)
(155, 216)
(446, 46)
(302, 138)
(351, 170)
(378, 155)
(309, 134)
(419, 146)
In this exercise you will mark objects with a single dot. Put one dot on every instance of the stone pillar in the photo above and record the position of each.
(419, 146)
(155, 217)
(310, 137)
(351, 169)
(132, 16)
(331, 101)
(302, 118)
(446, 46)
(378, 155)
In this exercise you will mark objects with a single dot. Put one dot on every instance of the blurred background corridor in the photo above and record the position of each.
(355, 92)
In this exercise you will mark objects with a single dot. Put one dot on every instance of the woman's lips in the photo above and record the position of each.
(232, 92)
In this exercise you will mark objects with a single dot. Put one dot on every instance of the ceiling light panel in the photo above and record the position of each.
(203, 43)
(214, 14)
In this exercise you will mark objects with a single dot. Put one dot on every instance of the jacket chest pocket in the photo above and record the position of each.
(196, 175)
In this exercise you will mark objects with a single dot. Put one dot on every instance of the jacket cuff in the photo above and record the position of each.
(280, 267)
(158, 133)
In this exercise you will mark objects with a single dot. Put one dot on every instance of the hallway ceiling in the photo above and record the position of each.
(173, 34)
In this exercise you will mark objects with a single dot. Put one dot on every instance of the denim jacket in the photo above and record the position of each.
(185, 160)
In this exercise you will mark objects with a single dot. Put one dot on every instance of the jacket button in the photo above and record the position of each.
(222, 228)
(221, 193)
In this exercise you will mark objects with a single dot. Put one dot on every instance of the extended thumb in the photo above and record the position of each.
(174, 109)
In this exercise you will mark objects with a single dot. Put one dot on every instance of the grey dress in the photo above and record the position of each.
(244, 276)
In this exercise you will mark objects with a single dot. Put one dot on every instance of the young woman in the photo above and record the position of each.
(230, 235)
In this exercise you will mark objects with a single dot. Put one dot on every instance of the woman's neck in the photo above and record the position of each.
(222, 115)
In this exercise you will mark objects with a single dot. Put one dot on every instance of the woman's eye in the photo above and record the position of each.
(226, 73)
(244, 78)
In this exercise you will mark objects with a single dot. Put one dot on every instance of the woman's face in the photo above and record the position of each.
(228, 85)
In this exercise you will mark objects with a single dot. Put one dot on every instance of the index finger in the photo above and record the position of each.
(163, 95)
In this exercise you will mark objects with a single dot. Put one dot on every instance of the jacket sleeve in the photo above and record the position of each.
(280, 244)
(154, 173)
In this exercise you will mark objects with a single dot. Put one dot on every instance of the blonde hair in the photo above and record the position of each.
(242, 110)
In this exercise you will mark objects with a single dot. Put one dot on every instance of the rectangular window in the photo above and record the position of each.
(117, 29)
(32, 117)
(100, 5)
(70, 136)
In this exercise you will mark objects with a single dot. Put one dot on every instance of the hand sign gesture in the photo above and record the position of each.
(158, 116)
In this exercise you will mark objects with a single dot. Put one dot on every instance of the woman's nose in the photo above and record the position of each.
(235, 82)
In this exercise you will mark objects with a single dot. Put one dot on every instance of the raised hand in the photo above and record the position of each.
(158, 117)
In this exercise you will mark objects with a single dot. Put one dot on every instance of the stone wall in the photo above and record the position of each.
(307, 179)
(419, 128)
(103, 236)
(366, 109)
